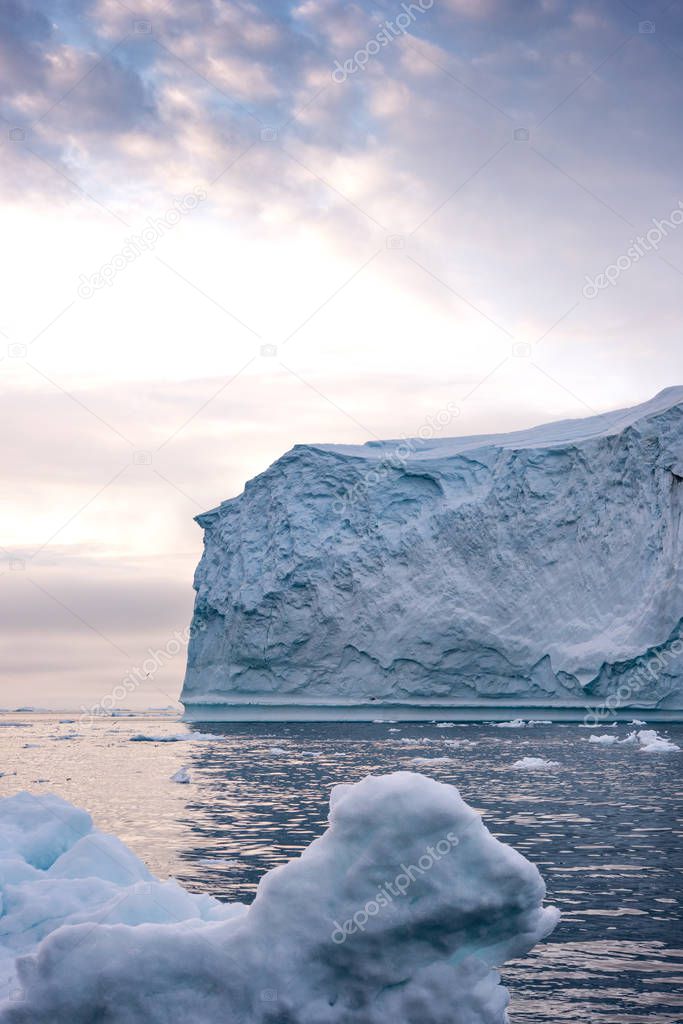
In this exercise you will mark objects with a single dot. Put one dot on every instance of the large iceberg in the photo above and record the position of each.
(453, 577)
(401, 912)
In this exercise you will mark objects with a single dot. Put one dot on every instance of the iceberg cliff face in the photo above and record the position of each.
(535, 569)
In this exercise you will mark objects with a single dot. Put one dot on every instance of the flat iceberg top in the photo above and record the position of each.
(546, 435)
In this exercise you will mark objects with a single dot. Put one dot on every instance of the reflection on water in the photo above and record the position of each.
(604, 830)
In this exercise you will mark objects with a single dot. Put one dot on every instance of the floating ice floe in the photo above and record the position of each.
(402, 911)
(516, 723)
(535, 764)
(276, 750)
(179, 737)
(182, 776)
(652, 743)
(427, 762)
(610, 740)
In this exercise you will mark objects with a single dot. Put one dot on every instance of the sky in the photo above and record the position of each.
(230, 228)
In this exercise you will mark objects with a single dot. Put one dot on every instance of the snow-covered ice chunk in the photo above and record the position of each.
(652, 743)
(182, 776)
(401, 911)
(516, 723)
(535, 764)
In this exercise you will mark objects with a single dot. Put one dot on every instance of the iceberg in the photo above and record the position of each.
(401, 911)
(531, 574)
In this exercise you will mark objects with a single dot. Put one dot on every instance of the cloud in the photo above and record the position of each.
(394, 236)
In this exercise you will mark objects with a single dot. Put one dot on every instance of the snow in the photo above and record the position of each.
(652, 743)
(536, 570)
(535, 764)
(402, 911)
(182, 776)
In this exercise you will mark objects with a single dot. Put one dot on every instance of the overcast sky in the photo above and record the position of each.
(233, 227)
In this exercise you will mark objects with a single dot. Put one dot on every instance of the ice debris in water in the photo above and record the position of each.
(401, 911)
(179, 737)
(535, 764)
(652, 743)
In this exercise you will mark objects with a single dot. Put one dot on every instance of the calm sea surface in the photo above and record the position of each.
(604, 829)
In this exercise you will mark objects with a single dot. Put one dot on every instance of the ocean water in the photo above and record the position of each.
(604, 828)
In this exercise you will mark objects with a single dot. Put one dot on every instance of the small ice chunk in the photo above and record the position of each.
(179, 737)
(516, 723)
(652, 743)
(276, 750)
(426, 762)
(607, 740)
(182, 776)
(535, 764)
